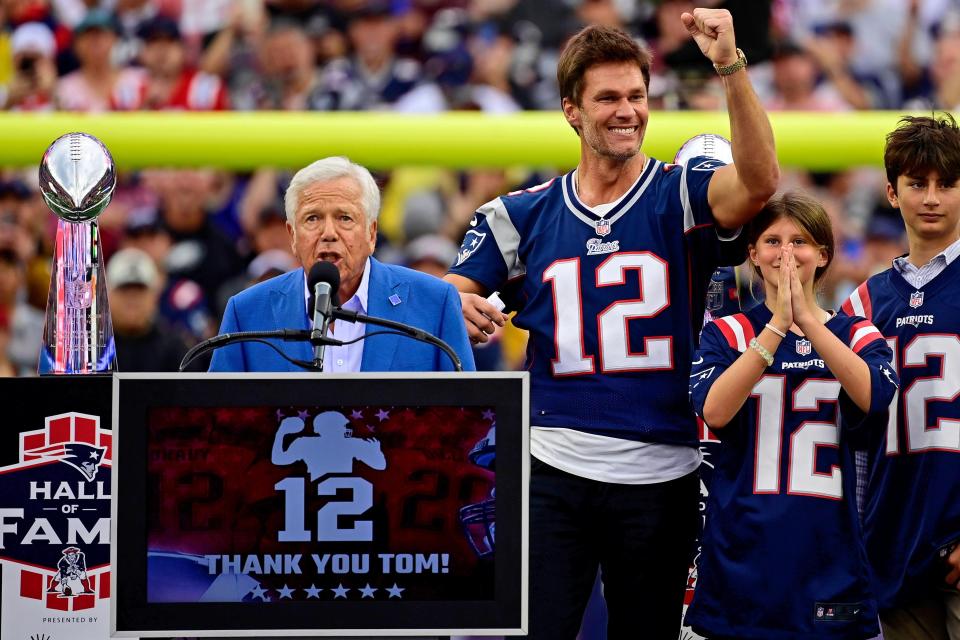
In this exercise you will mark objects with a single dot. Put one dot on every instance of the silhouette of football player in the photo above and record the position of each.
(332, 450)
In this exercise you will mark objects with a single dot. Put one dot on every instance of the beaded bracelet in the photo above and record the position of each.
(759, 348)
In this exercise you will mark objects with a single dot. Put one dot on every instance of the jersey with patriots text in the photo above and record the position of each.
(782, 551)
(912, 512)
(613, 303)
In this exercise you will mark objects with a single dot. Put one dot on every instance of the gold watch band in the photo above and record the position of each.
(733, 67)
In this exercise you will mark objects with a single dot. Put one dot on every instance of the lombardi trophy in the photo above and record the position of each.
(77, 179)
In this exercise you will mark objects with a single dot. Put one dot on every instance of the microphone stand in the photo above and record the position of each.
(316, 338)
(287, 335)
(339, 313)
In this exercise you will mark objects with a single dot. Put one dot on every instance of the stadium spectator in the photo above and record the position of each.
(25, 321)
(98, 85)
(7, 368)
(170, 84)
(373, 76)
(939, 87)
(34, 69)
(134, 292)
(832, 48)
(795, 83)
(288, 74)
(201, 252)
(613, 471)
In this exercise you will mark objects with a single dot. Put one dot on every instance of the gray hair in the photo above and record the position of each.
(331, 169)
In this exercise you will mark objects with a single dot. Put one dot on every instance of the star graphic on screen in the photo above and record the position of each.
(383, 415)
(395, 591)
(303, 415)
(313, 591)
(371, 427)
(356, 415)
(260, 592)
(280, 414)
(286, 592)
(367, 591)
(340, 591)
(488, 415)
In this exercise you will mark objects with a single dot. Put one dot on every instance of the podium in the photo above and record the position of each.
(361, 505)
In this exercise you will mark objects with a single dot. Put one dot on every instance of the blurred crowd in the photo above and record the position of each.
(180, 242)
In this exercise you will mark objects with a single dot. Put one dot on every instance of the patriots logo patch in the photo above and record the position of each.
(708, 165)
(471, 242)
(83, 457)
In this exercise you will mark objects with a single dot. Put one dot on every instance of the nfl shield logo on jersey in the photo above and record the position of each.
(916, 299)
(804, 347)
(602, 227)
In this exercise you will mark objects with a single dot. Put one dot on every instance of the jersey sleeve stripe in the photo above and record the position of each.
(862, 334)
(506, 236)
(858, 304)
(737, 331)
(688, 221)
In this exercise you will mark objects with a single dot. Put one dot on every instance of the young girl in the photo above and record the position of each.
(782, 552)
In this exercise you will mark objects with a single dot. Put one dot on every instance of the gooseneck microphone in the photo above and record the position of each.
(323, 281)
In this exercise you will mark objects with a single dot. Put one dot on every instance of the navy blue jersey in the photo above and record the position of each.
(912, 512)
(612, 303)
(782, 552)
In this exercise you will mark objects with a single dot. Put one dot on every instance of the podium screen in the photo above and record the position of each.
(319, 505)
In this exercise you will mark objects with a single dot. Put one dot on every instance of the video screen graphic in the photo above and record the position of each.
(351, 502)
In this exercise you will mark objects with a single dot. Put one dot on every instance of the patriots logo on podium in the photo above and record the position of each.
(83, 457)
(916, 299)
(804, 347)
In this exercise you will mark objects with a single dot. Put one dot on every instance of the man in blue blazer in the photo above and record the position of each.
(332, 208)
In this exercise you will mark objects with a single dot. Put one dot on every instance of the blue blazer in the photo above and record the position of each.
(395, 293)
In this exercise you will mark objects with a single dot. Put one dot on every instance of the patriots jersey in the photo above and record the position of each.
(613, 303)
(782, 551)
(912, 512)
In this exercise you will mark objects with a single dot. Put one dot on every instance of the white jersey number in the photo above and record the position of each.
(613, 322)
(803, 478)
(944, 435)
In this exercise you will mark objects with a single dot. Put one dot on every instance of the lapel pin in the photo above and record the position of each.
(394, 299)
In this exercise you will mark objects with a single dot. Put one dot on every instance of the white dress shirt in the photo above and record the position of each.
(919, 276)
(348, 357)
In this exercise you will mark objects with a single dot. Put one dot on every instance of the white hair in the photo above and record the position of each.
(331, 169)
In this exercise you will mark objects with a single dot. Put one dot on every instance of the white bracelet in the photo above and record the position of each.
(775, 330)
(759, 348)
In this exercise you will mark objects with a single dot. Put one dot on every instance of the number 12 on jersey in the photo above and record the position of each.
(613, 322)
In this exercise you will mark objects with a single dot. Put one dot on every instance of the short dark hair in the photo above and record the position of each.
(809, 216)
(921, 144)
(595, 45)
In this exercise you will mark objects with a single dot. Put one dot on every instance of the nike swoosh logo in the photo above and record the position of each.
(700, 361)
(473, 221)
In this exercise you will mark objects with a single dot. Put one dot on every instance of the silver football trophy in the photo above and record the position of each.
(77, 179)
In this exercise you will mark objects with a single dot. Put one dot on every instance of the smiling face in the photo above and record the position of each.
(613, 113)
(930, 207)
(330, 225)
(766, 253)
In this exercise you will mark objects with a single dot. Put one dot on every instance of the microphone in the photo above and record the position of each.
(322, 282)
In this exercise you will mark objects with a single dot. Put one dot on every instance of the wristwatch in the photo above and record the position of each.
(733, 67)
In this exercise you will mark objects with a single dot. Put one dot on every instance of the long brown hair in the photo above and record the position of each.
(809, 216)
